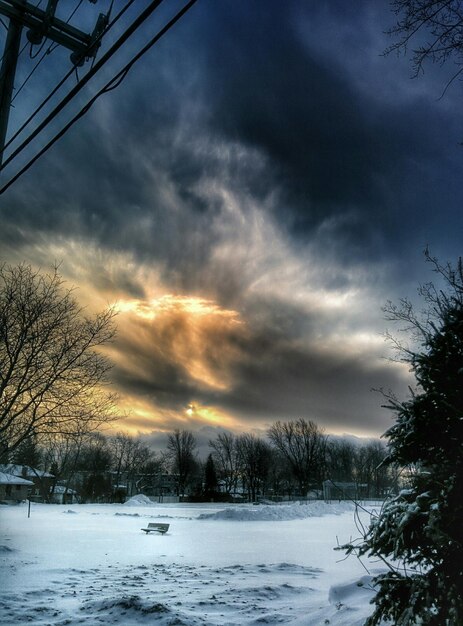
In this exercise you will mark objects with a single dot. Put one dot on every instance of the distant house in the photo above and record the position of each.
(336, 490)
(63, 495)
(159, 486)
(42, 481)
(13, 488)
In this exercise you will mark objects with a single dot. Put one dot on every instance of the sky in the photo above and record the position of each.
(256, 189)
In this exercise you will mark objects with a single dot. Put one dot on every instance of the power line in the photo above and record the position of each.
(6, 26)
(26, 80)
(142, 17)
(5, 52)
(49, 50)
(112, 84)
(75, 11)
(65, 77)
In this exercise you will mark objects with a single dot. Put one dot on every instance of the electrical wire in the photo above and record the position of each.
(110, 85)
(36, 54)
(5, 52)
(26, 44)
(79, 4)
(139, 20)
(49, 50)
(65, 77)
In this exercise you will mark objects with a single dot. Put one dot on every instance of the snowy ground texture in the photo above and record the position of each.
(218, 565)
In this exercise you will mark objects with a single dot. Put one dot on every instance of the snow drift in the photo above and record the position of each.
(271, 513)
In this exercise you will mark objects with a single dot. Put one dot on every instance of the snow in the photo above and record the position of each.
(139, 500)
(219, 565)
(21, 470)
(281, 512)
(10, 479)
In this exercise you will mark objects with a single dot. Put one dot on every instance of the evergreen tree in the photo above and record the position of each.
(422, 528)
(210, 477)
(28, 453)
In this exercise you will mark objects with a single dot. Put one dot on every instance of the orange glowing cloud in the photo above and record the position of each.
(191, 332)
(143, 417)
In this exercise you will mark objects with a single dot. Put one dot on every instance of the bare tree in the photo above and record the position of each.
(52, 375)
(435, 30)
(181, 448)
(341, 459)
(369, 469)
(255, 460)
(94, 465)
(225, 455)
(131, 459)
(61, 456)
(302, 444)
(120, 445)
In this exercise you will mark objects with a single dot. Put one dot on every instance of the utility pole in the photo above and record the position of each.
(7, 74)
(41, 24)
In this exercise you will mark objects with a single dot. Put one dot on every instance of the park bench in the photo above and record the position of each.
(156, 528)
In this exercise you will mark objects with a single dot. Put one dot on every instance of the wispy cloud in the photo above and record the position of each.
(248, 200)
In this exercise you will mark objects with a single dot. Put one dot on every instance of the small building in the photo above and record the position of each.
(13, 488)
(159, 486)
(336, 490)
(63, 495)
(42, 481)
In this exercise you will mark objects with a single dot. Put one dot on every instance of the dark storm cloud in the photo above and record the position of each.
(266, 368)
(247, 74)
(282, 381)
(243, 150)
(255, 79)
(332, 146)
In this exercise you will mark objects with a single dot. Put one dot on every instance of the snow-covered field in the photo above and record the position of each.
(217, 565)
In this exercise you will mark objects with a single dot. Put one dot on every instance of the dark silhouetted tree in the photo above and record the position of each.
(422, 527)
(28, 453)
(95, 463)
(225, 455)
(132, 460)
(370, 471)
(255, 459)
(210, 477)
(52, 372)
(181, 451)
(432, 29)
(341, 456)
(302, 444)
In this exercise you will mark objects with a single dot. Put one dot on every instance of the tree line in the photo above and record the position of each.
(55, 399)
(292, 459)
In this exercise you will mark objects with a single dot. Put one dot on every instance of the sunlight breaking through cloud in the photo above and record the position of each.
(190, 332)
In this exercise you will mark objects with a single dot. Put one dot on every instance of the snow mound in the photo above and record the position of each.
(129, 610)
(127, 514)
(357, 593)
(6, 549)
(139, 500)
(349, 605)
(279, 513)
(71, 512)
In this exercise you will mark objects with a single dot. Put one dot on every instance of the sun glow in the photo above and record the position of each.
(192, 305)
(143, 417)
(189, 332)
(211, 416)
